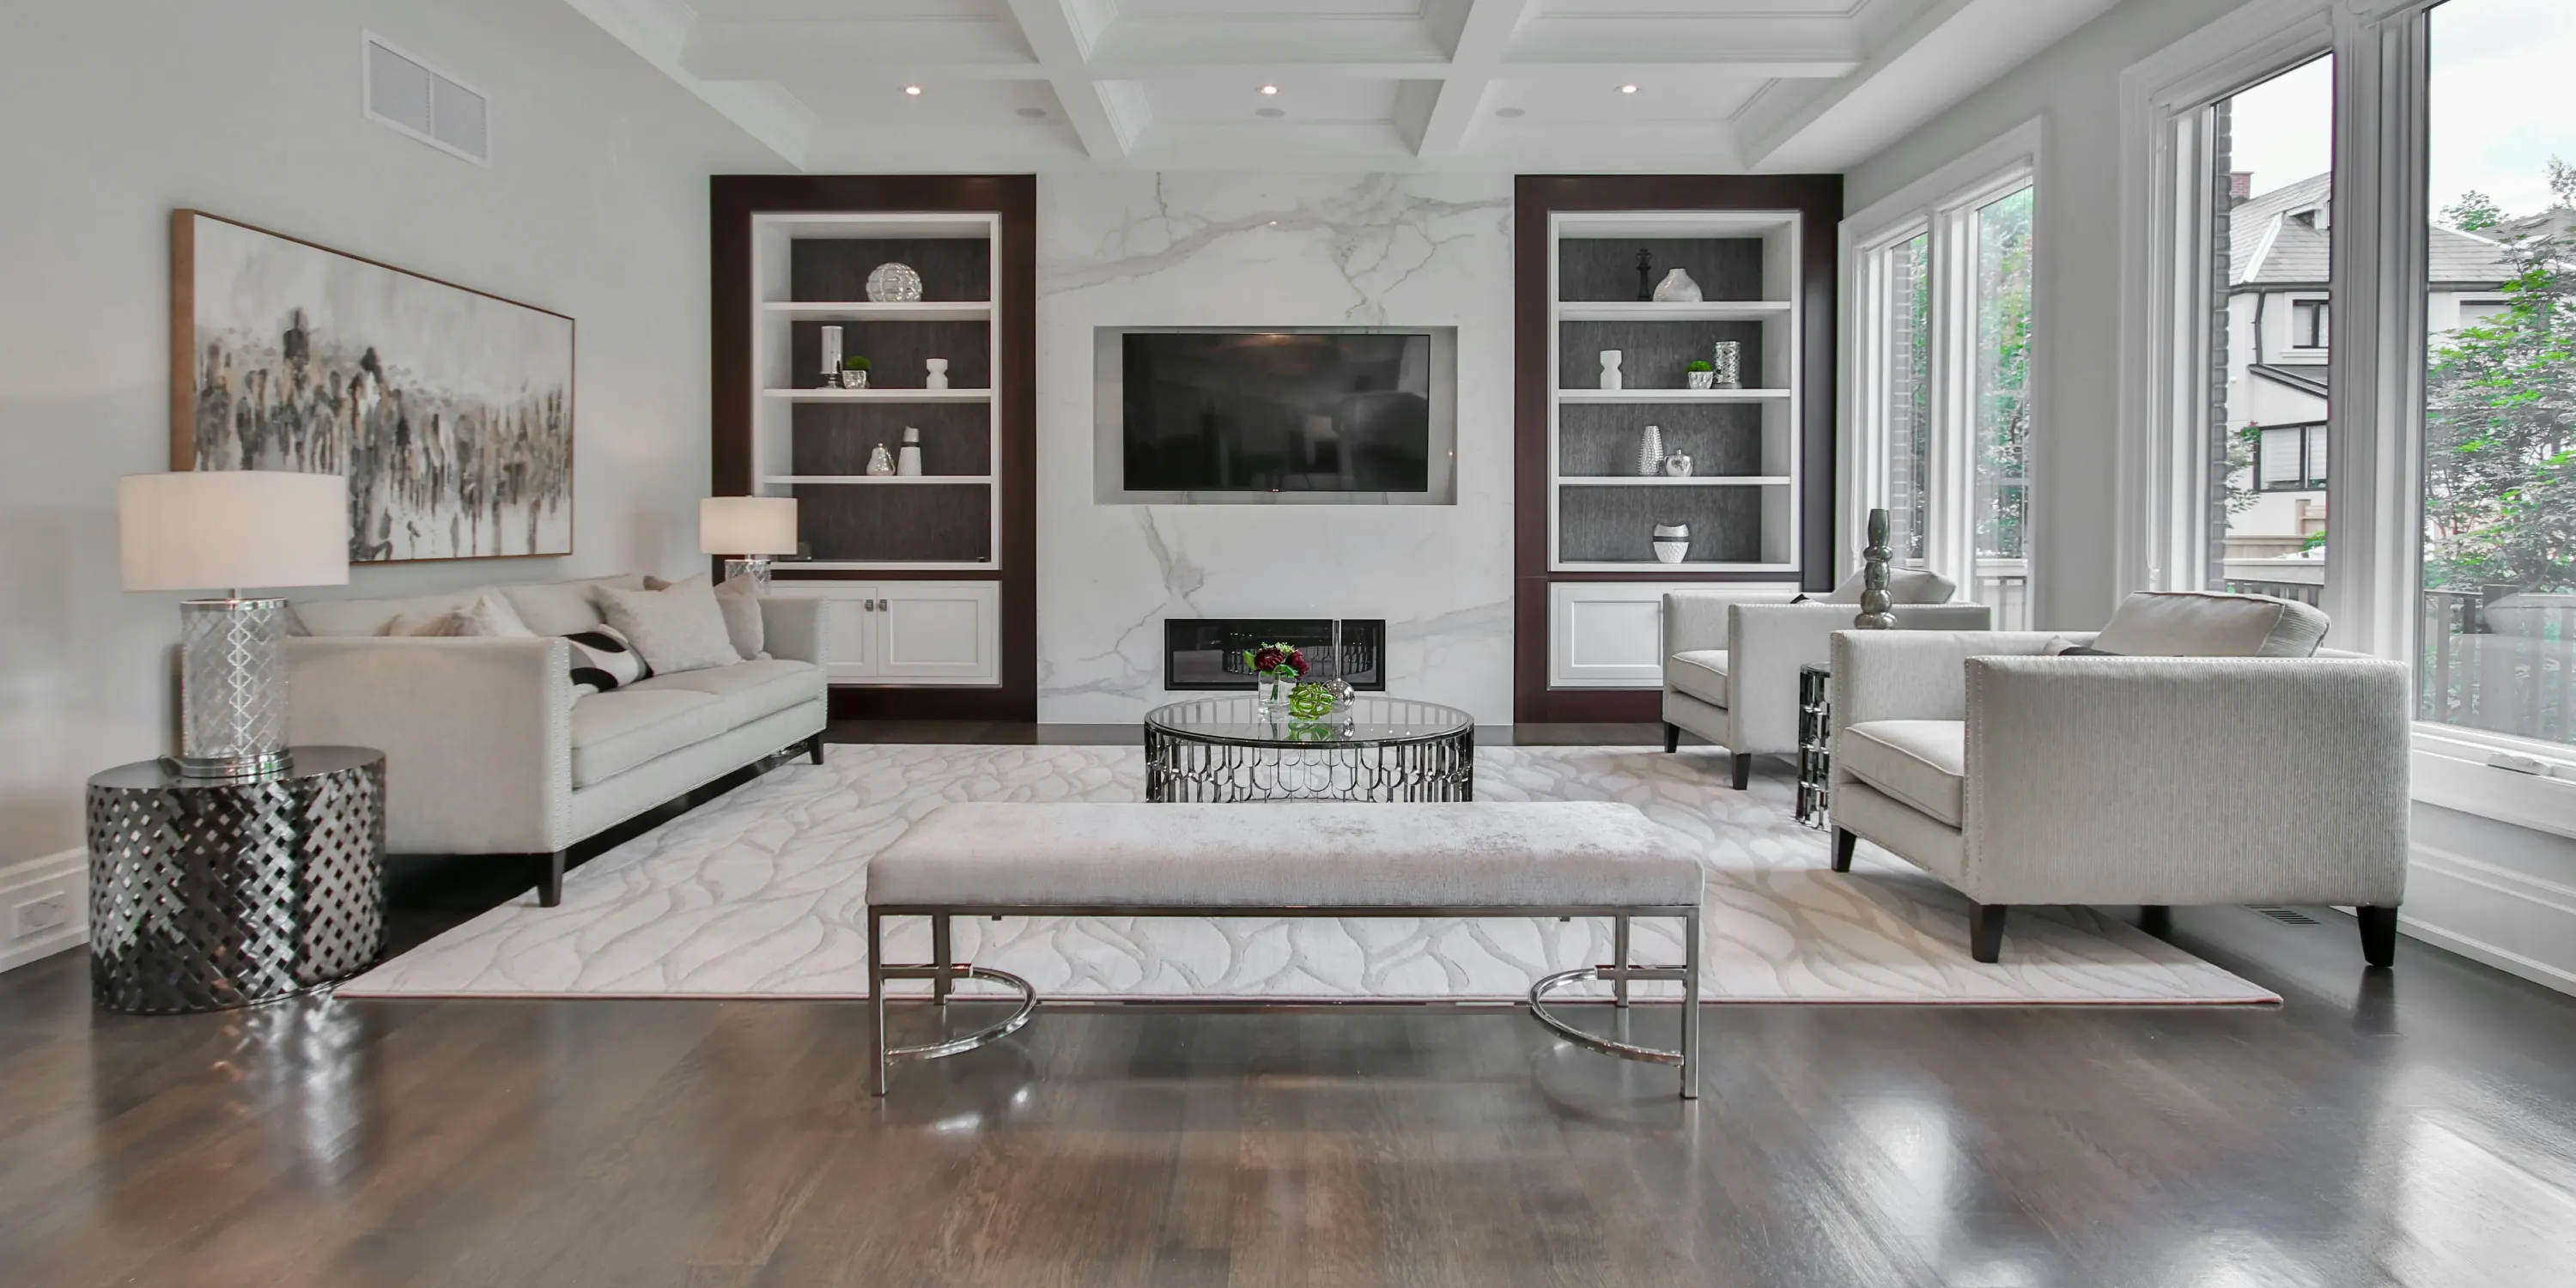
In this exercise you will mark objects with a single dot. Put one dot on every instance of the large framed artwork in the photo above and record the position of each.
(449, 409)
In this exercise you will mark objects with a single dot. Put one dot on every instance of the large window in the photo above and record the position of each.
(2496, 643)
(1941, 425)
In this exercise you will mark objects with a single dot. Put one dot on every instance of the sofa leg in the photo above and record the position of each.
(1743, 770)
(2156, 919)
(1986, 932)
(1672, 737)
(1844, 842)
(2378, 935)
(550, 891)
(814, 748)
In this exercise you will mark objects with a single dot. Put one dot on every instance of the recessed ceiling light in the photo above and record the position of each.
(1033, 113)
(1269, 111)
(915, 90)
(1508, 113)
(1269, 89)
(1627, 89)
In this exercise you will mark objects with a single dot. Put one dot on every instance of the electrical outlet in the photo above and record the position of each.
(40, 914)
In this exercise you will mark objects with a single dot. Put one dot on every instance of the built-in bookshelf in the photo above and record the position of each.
(1742, 497)
(811, 439)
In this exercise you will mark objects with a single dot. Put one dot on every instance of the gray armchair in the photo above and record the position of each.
(2019, 777)
(1731, 668)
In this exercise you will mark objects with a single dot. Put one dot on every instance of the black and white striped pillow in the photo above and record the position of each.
(603, 660)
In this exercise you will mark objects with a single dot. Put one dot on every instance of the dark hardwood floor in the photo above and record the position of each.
(2411, 1127)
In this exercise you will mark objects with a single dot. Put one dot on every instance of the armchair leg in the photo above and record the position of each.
(1843, 843)
(2378, 935)
(2156, 919)
(814, 748)
(1743, 770)
(1672, 737)
(550, 891)
(1986, 932)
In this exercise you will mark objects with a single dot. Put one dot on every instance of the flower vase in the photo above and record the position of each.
(1273, 691)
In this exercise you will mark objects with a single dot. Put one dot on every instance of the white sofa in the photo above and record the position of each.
(2151, 778)
(488, 750)
(1731, 668)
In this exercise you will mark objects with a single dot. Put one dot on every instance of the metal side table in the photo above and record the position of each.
(1815, 744)
(205, 896)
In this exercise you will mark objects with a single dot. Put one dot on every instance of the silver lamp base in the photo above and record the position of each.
(232, 689)
(755, 567)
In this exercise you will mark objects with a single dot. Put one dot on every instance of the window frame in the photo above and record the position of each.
(1943, 205)
(2311, 324)
(2309, 478)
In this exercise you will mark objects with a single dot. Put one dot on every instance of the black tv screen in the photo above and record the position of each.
(1277, 411)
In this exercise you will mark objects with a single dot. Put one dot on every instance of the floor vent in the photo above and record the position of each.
(426, 103)
(2288, 916)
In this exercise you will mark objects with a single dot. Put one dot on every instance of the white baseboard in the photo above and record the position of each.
(2514, 921)
(59, 880)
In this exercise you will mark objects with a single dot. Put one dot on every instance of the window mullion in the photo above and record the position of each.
(1949, 546)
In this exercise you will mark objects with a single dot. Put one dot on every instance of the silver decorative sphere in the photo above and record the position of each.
(893, 284)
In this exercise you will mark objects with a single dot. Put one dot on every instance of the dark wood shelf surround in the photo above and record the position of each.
(952, 269)
(1596, 273)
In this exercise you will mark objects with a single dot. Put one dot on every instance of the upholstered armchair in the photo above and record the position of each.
(1731, 668)
(2021, 774)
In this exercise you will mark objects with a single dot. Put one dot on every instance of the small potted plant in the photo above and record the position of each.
(854, 372)
(1702, 375)
(1276, 668)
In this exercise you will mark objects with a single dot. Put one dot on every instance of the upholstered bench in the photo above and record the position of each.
(1285, 859)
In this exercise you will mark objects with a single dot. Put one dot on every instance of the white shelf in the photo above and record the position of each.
(880, 395)
(1649, 565)
(1649, 311)
(886, 565)
(1650, 396)
(790, 479)
(1687, 480)
(867, 311)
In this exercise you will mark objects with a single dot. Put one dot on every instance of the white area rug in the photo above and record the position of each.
(764, 894)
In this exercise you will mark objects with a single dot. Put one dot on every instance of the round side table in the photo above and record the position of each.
(205, 896)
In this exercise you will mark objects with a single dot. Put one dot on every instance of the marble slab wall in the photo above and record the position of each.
(1273, 250)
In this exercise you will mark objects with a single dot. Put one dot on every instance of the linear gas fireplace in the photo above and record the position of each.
(1207, 652)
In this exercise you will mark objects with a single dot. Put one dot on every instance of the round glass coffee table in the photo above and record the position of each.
(1377, 749)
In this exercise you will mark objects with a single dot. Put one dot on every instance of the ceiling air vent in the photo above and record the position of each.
(426, 103)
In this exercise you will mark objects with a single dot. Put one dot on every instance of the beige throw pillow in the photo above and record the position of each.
(739, 597)
(680, 628)
(2184, 623)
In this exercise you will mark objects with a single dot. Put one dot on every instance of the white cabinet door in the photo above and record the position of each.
(1610, 635)
(940, 631)
(849, 624)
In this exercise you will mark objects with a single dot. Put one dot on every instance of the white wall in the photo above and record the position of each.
(2072, 88)
(114, 114)
(1273, 250)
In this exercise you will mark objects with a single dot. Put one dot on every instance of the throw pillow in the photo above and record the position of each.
(1904, 586)
(602, 660)
(427, 624)
(2184, 623)
(680, 628)
(739, 597)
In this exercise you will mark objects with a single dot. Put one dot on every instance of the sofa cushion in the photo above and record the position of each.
(1700, 673)
(748, 690)
(678, 628)
(562, 607)
(1920, 762)
(615, 731)
(2185, 623)
(1904, 586)
(336, 617)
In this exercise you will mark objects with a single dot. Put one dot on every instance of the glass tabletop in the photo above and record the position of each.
(1369, 721)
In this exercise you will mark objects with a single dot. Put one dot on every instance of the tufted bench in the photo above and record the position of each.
(1285, 859)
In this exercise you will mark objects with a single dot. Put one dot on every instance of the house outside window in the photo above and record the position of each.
(2308, 324)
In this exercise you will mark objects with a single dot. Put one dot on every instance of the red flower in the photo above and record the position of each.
(1297, 660)
(1268, 660)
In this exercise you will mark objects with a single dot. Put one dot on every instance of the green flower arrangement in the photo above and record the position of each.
(1310, 701)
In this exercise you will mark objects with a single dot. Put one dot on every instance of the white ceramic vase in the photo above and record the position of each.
(1610, 378)
(938, 377)
(1677, 288)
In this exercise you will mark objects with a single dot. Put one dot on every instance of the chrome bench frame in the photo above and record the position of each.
(944, 972)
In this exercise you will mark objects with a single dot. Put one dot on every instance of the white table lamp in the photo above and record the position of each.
(748, 529)
(226, 529)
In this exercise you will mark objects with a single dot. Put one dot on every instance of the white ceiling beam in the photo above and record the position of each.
(658, 30)
(1107, 114)
(744, 50)
(1484, 34)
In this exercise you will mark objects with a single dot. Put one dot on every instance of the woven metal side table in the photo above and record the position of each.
(1815, 744)
(210, 895)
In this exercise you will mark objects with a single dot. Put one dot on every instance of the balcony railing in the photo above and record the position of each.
(2499, 660)
(2004, 585)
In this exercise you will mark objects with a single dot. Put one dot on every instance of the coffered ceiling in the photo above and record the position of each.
(1696, 85)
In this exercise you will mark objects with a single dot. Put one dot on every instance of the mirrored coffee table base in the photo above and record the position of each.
(1381, 749)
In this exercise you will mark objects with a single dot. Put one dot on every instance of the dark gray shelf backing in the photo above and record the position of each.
(947, 522)
(835, 270)
(1602, 438)
(896, 349)
(1653, 355)
(834, 438)
(1605, 268)
(1608, 523)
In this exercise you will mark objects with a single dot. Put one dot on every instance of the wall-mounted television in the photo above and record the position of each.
(1281, 411)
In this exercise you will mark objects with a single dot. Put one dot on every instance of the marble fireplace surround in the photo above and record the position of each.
(1249, 250)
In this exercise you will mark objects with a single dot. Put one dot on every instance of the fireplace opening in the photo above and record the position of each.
(1206, 653)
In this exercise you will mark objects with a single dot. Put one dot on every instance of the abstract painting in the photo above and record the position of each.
(448, 409)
